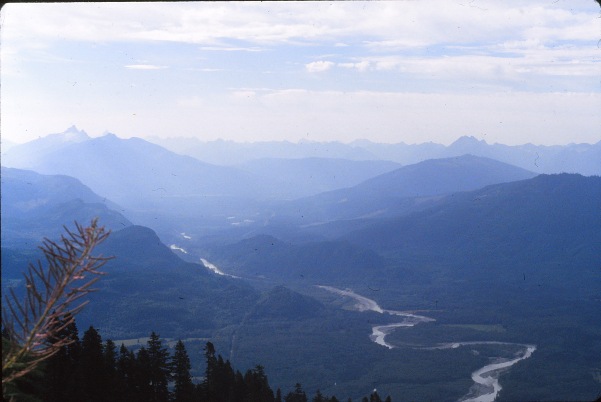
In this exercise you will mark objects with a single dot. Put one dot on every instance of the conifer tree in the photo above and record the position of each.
(374, 397)
(91, 365)
(143, 390)
(110, 370)
(159, 368)
(209, 384)
(126, 377)
(257, 386)
(62, 379)
(183, 390)
(278, 395)
(318, 397)
(239, 387)
(298, 395)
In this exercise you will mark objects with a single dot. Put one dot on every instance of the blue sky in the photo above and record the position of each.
(509, 71)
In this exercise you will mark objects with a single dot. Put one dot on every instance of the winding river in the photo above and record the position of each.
(486, 379)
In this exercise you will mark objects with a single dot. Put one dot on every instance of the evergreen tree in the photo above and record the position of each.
(91, 366)
(110, 370)
(239, 393)
(159, 368)
(209, 384)
(278, 395)
(318, 397)
(127, 376)
(183, 390)
(125, 384)
(374, 397)
(62, 380)
(257, 386)
(143, 390)
(297, 396)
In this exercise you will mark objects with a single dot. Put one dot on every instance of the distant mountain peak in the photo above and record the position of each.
(72, 134)
(467, 140)
(73, 128)
(108, 134)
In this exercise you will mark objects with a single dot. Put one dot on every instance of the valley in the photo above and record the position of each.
(489, 272)
(366, 201)
(487, 385)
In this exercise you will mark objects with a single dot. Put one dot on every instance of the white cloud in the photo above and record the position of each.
(359, 66)
(144, 67)
(440, 48)
(319, 66)
(232, 49)
(389, 24)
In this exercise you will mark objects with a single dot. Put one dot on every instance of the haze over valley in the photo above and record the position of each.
(319, 258)
(358, 201)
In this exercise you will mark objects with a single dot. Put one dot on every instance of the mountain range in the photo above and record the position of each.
(490, 252)
(571, 158)
(404, 189)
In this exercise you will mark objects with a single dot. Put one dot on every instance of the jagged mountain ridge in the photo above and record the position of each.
(571, 158)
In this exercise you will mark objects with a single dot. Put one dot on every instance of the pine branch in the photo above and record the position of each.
(33, 323)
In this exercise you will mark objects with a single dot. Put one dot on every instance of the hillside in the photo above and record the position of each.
(529, 222)
(403, 189)
(36, 206)
(313, 263)
(295, 178)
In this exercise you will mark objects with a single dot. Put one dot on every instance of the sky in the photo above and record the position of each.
(412, 71)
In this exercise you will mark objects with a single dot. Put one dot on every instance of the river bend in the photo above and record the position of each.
(486, 379)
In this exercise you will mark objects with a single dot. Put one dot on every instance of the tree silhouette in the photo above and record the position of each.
(62, 380)
(183, 389)
(92, 365)
(159, 368)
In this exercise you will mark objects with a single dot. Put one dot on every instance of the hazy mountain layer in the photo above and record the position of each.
(295, 178)
(489, 252)
(572, 158)
(403, 189)
(36, 206)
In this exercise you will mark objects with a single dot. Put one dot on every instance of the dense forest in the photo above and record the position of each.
(89, 369)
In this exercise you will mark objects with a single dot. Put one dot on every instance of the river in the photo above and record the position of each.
(486, 379)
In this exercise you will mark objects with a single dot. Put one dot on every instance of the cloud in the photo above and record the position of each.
(319, 66)
(450, 68)
(360, 66)
(232, 49)
(389, 25)
(144, 67)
